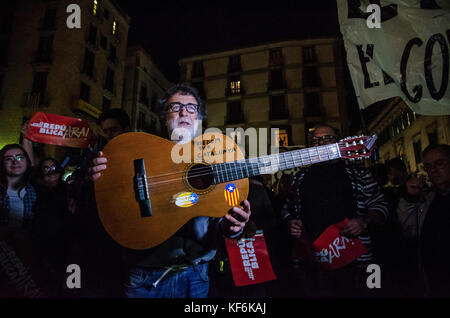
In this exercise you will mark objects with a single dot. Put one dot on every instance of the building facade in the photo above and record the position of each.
(405, 134)
(144, 85)
(289, 85)
(47, 66)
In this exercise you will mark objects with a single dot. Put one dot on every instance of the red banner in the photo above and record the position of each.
(334, 251)
(249, 261)
(59, 130)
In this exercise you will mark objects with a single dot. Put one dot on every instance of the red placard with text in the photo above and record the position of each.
(333, 251)
(249, 260)
(59, 130)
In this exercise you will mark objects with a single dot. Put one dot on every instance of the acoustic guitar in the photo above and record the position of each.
(152, 186)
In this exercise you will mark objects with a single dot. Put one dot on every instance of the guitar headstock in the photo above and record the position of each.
(357, 147)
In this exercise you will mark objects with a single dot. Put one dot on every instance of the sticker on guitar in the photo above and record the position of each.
(186, 199)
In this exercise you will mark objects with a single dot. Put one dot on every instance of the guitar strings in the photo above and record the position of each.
(232, 169)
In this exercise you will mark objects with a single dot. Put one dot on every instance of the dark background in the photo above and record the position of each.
(171, 30)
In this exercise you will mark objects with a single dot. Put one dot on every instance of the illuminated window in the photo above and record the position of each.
(235, 87)
(282, 137)
(114, 27)
(95, 7)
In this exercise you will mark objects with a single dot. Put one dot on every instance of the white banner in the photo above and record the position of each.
(399, 48)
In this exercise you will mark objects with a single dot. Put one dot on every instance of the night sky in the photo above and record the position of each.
(171, 30)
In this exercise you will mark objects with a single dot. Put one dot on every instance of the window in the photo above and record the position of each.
(200, 89)
(197, 69)
(85, 92)
(112, 57)
(95, 7)
(282, 137)
(89, 60)
(278, 109)
(109, 83)
(143, 95)
(234, 113)
(141, 121)
(103, 42)
(275, 56)
(92, 38)
(311, 77)
(45, 48)
(115, 27)
(432, 136)
(40, 84)
(106, 104)
(106, 14)
(234, 64)
(276, 79)
(312, 105)
(417, 146)
(154, 102)
(234, 85)
(309, 55)
(50, 18)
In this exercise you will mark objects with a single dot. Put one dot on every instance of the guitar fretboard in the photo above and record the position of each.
(229, 171)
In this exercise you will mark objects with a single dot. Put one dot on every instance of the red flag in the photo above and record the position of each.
(59, 130)
(249, 260)
(333, 250)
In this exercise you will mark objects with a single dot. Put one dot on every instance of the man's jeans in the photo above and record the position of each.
(190, 282)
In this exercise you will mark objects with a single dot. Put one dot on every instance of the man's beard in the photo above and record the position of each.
(182, 134)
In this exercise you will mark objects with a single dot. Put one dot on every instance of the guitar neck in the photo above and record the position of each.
(229, 171)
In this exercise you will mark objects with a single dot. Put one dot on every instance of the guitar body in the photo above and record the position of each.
(177, 191)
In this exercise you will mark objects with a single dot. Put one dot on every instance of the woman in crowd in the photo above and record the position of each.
(17, 211)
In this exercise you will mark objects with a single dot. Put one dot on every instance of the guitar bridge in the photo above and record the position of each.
(141, 188)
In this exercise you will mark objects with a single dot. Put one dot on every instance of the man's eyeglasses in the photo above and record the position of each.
(177, 107)
(18, 158)
(324, 139)
(48, 169)
(438, 164)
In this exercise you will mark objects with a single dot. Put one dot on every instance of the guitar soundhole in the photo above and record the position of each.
(200, 176)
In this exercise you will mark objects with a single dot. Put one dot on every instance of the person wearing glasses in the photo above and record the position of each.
(424, 217)
(17, 212)
(178, 268)
(324, 194)
(17, 195)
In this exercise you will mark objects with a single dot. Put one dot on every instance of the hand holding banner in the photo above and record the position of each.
(249, 260)
(333, 251)
(59, 130)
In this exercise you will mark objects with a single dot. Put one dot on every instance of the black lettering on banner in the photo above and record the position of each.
(364, 60)
(403, 65)
(354, 10)
(437, 95)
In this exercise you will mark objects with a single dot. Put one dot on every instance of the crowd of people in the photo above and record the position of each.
(401, 219)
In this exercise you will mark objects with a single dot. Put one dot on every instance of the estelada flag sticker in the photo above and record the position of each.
(333, 251)
(249, 260)
(59, 130)
(231, 194)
